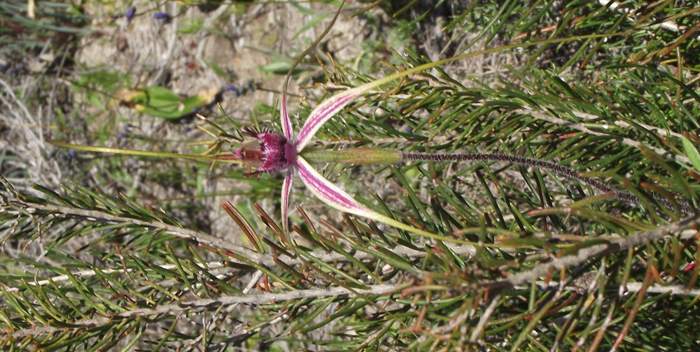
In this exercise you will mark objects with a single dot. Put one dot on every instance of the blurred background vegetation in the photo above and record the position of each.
(105, 252)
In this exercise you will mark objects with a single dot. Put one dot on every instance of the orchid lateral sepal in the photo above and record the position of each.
(335, 197)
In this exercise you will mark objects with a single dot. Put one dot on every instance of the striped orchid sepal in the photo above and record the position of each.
(338, 199)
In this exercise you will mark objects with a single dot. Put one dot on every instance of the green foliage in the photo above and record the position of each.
(89, 268)
(279, 67)
(692, 153)
(100, 86)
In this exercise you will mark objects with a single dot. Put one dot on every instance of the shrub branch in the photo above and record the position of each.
(215, 303)
(613, 246)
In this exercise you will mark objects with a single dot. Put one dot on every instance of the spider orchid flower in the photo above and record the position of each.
(273, 152)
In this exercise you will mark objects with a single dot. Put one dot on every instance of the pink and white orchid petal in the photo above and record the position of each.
(286, 193)
(332, 195)
(328, 192)
(286, 122)
(322, 113)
